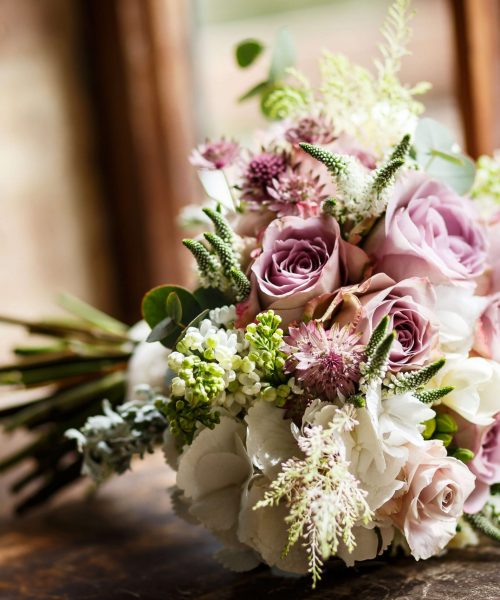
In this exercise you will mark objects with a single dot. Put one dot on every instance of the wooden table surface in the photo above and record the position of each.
(125, 543)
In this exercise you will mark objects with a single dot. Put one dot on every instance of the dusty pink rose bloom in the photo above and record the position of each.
(485, 443)
(300, 259)
(487, 340)
(410, 305)
(432, 501)
(429, 231)
(494, 252)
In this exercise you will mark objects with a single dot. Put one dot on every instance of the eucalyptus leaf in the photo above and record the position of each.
(256, 90)
(164, 330)
(174, 308)
(283, 55)
(439, 155)
(154, 304)
(247, 52)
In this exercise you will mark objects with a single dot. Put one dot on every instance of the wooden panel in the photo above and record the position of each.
(139, 67)
(477, 24)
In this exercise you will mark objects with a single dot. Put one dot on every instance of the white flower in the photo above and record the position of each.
(377, 446)
(265, 530)
(148, 364)
(457, 311)
(399, 417)
(369, 544)
(476, 383)
(212, 474)
(223, 316)
(269, 440)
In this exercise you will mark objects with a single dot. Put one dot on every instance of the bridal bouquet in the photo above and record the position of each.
(332, 387)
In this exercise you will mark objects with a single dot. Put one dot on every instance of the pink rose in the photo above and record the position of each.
(487, 340)
(300, 259)
(433, 500)
(428, 231)
(494, 252)
(410, 305)
(485, 443)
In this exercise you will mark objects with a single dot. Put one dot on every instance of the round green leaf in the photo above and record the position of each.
(247, 52)
(174, 307)
(154, 304)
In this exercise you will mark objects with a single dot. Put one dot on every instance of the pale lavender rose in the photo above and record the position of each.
(485, 443)
(429, 231)
(437, 487)
(410, 305)
(493, 230)
(300, 259)
(213, 156)
(487, 338)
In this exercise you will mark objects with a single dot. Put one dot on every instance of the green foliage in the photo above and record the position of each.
(335, 163)
(283, 56)
(241, 284)
(155, 309)
(207, 264)
(174, 308)
(487, 181)
(247, 52)
(438, 154)
(108, 442)
(88, 344)
(463, 454)
(431, 396)
(414, 380)
(487, 521)
(277, 101)
(221, 226)
(377, 353)
(209, 297)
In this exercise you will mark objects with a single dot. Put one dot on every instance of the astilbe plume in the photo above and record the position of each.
(324, 499)
(324, 362)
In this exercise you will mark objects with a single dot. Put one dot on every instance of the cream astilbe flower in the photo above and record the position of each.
(324, 498)
(325, 363)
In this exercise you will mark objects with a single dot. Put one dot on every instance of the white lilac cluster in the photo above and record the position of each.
(343, 396)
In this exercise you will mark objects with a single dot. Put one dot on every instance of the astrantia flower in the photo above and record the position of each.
(324, 362)
(213, 156)
(259, 174)
(311, 129)
(296, 193)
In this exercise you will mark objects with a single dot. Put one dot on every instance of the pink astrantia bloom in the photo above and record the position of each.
(326, 363)
(311, 129)
(213, 156)
(259, 174)
(296, 193)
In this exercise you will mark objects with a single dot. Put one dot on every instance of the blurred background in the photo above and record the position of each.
(102, 100)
